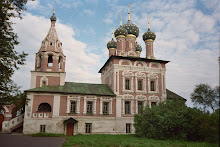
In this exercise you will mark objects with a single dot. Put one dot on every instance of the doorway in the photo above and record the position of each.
(69, 129)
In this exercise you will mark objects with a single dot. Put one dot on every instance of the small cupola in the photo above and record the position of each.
(53, 17)
(150, 36)
(112, 44)
(121, 32)
(131, 28)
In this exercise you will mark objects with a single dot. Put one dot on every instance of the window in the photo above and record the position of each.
(127, 84)
(44, 83)
(73, 107)
(127, 107)
(88, 127)
(153, 104)
(60, 63)
(140, 107)
(50, 60)
(89, 107)
(44, 107)
(152, 86)
(140, 85)
(42, 128)
(39, 60)
(128, 128)
(105, 107)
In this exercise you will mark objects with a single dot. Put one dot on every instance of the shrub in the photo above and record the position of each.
(174, 120)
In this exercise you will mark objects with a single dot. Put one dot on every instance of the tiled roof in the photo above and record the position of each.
(172, 95)
(77, 88)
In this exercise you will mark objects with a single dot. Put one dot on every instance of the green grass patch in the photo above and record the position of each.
(101, 140)
(48, 135)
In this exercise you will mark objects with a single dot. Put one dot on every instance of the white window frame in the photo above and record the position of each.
(140, 76)
(128, 75)
(128, 97)
(91, 99)
(153, 77)
(73, 98)
(106, 99)
(153, 99)
(140, 98)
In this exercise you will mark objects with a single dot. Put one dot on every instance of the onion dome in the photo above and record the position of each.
(112, 44)
(149, 35)
(131, 28)
(53, 17)
(121, 31)
(138, 47)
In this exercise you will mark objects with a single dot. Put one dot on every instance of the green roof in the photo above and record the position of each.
(172, 95)
(77, 88)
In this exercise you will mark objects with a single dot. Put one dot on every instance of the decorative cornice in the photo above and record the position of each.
(131, 35)
(120, 36)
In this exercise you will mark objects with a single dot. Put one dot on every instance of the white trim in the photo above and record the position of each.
(44, 78)
(106, 99)
(75, 98)
(153, 99)
(123, 60)
(56, 105)
(93, 100)
(140, 76)
(142, 98)
(128, 75)
(155, 77)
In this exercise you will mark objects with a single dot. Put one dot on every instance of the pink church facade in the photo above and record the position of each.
(129, 83)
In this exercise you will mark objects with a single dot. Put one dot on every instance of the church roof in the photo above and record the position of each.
(131, 58)
(77, 88)
(171, 95)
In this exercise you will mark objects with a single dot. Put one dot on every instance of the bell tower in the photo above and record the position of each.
(49, 60)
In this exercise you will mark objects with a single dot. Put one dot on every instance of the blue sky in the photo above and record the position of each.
(187, 35)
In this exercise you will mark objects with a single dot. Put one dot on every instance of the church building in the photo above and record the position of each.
(129, 83)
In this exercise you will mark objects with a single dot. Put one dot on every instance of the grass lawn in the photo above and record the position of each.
(100, 140)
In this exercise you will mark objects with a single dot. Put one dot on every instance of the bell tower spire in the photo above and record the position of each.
(129, 18)
(50, 60)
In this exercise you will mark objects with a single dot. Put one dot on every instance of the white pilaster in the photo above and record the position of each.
(56, 105)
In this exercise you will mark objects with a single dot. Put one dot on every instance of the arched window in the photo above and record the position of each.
(50, 60)
(39, 60)
(44, 107)
(60, 62)
(152, 88)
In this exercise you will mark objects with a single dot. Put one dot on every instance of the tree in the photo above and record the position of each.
(10, 59)
(206, 97)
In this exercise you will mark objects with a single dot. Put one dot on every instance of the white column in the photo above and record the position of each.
(78, 105)
(132, 106)
(118, 106)
(123, 106)
(100, 106)
(68, 105)
(84, 108)
(94, 109)
(56, 105)
(110, 107)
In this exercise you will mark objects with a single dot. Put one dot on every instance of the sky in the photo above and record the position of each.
(187, 35)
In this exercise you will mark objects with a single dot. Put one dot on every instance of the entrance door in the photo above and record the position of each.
(69, 130)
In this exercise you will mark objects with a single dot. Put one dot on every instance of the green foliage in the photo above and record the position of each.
(206, 97)
(10, 59)
(174, 120)
(103, 140)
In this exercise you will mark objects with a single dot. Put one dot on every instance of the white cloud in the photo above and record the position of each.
(185, 36)
(89, 12)
(79, 64)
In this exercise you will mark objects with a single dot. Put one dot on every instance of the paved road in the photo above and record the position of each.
(16, 140)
